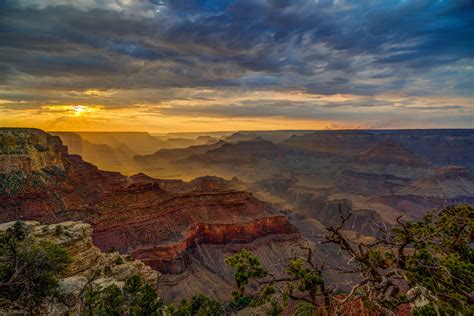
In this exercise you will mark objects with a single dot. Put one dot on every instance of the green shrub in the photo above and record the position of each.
(200, 305)
(135, 299)
(58, 230)
(29, 270)
(118, 261)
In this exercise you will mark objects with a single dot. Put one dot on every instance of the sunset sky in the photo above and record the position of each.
(190, 65)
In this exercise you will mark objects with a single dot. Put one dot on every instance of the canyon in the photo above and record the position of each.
(170, 225)
(182, 211)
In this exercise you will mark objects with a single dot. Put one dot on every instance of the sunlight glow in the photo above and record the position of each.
(78, 109)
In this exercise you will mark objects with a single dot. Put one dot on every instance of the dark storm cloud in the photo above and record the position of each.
(325, 47)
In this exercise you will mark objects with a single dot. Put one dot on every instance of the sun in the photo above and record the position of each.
(83, 110)
(78, 109)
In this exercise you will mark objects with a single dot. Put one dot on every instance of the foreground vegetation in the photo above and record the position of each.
(29, 270)
(428, 263)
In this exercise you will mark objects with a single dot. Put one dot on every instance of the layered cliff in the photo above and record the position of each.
(173, 257)
(29, 150)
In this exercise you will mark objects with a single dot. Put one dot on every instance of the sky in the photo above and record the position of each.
(202, 65)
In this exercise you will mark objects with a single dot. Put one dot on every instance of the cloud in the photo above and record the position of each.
(363, 48)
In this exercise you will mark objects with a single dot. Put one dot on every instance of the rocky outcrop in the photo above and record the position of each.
(76, 238)
(89, 265)
(29, 150)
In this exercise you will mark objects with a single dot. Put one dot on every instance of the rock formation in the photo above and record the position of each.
(29, 150)
(89, 266)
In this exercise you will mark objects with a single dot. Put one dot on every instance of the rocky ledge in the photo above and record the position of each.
(23, 149)
(89, 266)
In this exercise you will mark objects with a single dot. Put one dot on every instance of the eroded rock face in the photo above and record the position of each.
(208, 273)
(88, 259)
(76, 238)
(171, 257)
(89, 265)
(29, 150)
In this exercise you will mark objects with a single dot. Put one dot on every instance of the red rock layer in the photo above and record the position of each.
(171, 258)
